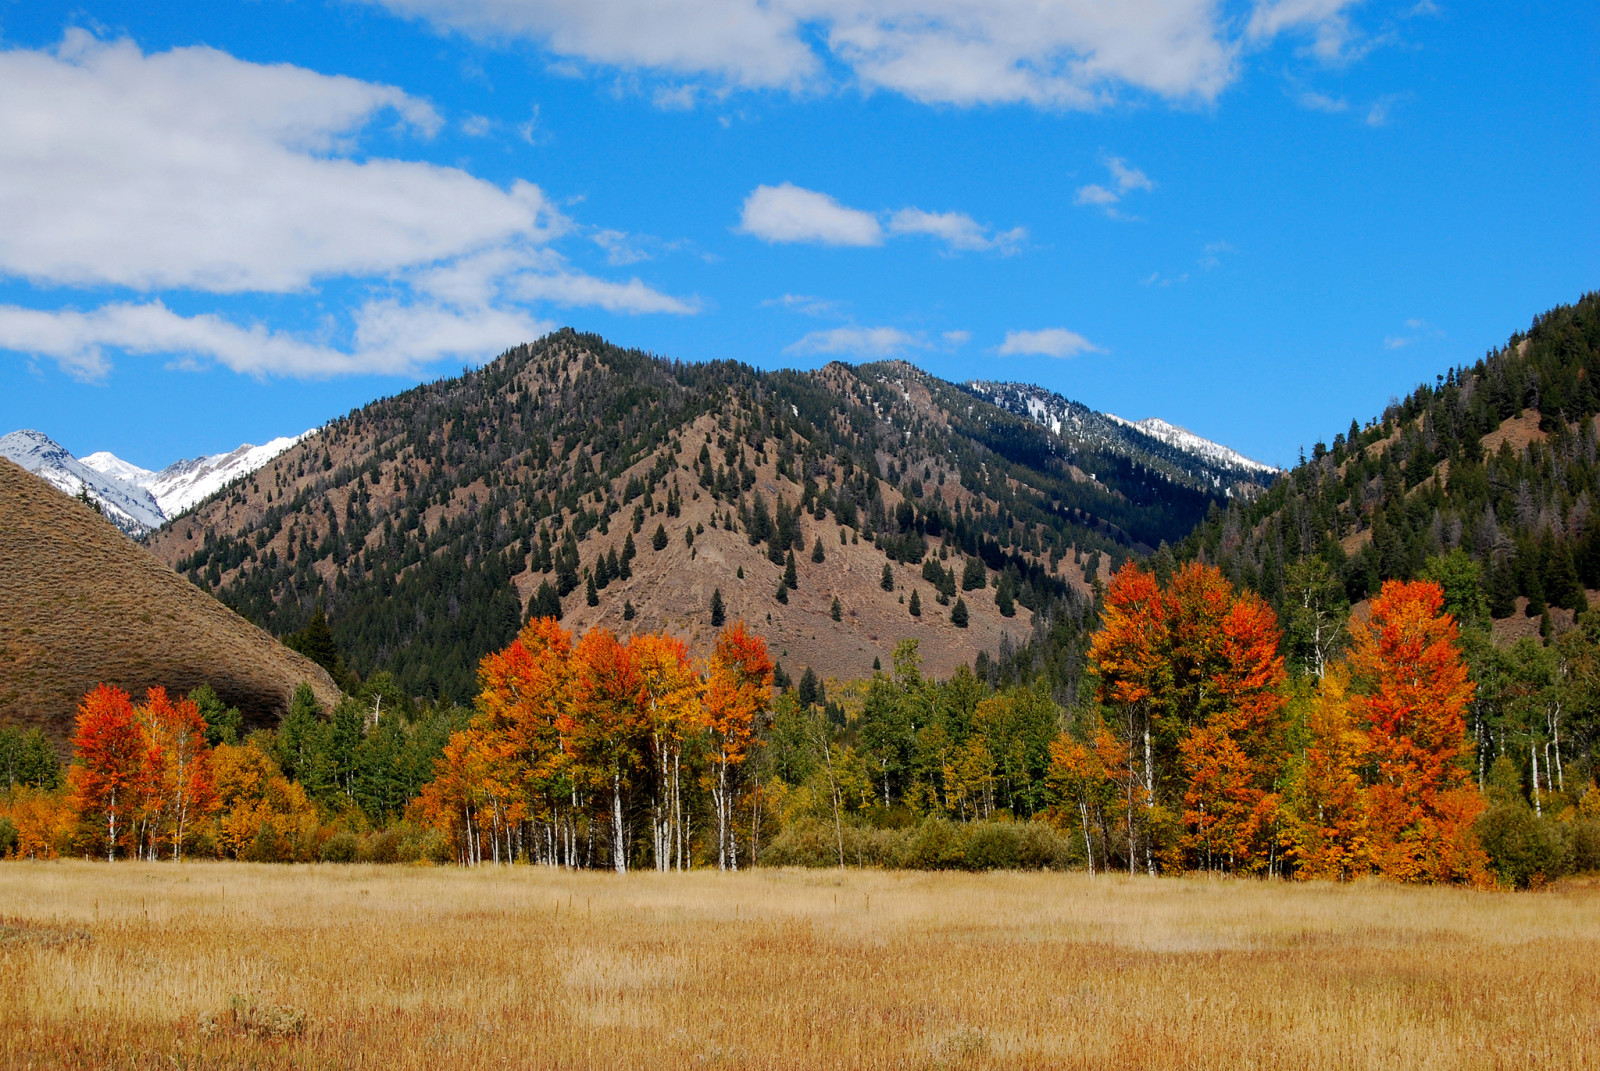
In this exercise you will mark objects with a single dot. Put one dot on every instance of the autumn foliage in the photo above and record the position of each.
(1196, 765)
(596, 747)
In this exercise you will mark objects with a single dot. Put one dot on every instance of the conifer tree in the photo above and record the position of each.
(659, 540)
(916, 604)
(817, 554)
(836, 611)
(719, 613)
(958, 613)
(886, 582)
(790, 580)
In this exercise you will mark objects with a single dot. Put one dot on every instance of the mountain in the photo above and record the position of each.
(1180, 455)
(80, 604)
(1499, 460)
(430, 524)
(1222, 458)
(131, 508)
(183, 483)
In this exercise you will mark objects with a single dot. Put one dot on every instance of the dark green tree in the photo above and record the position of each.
(719, 613)
(958, 613)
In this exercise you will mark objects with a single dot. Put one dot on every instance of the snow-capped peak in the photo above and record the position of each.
(1190, 443)
(183, 483)
(136, 499)
(131, 508)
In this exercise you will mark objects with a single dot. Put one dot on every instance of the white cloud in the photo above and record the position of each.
(788, 213)
(192, 170)
(1048, 342)
(805, 304)
(1066, 54)
(1128, 178)
(389, 338)
(1095, 194)
(1321, 102)
(1125, 177)
(862, 341)
(957, 339)
(956, 229)
(576, 288)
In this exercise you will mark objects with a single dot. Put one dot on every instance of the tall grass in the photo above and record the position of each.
(233, 964)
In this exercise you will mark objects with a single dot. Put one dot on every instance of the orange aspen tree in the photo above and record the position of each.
(108, 760)
(525, 692)
(1127, 656)
(738, 690)
(605, 725)
(669, 693)
(1412, 691)
(1234, 757)
(177, 782)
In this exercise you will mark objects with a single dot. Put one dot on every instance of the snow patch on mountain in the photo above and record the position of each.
(183, 484)
(1190, 443)
(131, 508)
(135, 499)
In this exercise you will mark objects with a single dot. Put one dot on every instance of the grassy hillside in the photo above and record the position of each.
(80, 604)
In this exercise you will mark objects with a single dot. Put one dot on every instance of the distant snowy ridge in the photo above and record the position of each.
(131, 508)
(136, 499)
(1179, 455)
(182, 484)
(1190, 443)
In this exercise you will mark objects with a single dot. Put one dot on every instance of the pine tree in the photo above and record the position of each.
(816, 551)
(1003, 599)
(790, 580)
(973, 575)
(627, 610)
(782, 594)
(659, 540)
(719, 614)
(837, 611)
(545, 603)
(958, 613)
(916, 604)
(590, 595)
(886, 582)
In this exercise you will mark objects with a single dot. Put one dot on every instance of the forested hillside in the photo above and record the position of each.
(839, 511)
(1498, 460)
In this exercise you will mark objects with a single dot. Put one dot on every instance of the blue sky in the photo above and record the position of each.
(227, 222)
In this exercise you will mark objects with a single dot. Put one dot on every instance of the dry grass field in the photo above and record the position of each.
(233, 965)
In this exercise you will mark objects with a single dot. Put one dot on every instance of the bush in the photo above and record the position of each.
(931, 844)
(381, 847)
(1583, 847)
(1523, 848)
(8, 838)
(340, 848)
(937, 845)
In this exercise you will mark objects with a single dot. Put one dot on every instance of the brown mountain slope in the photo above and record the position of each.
(426, 523)
(80, 605)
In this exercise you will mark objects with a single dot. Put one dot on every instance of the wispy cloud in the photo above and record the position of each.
(860, 341)
(789, 214)
(1211, 254)
(1124, 180)
(1046, 342)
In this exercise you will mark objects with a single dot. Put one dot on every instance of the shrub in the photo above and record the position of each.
(8, 838)
(381, 847)
(1583, 848)
(1523, 849)
(340, 848)
(937, 845)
